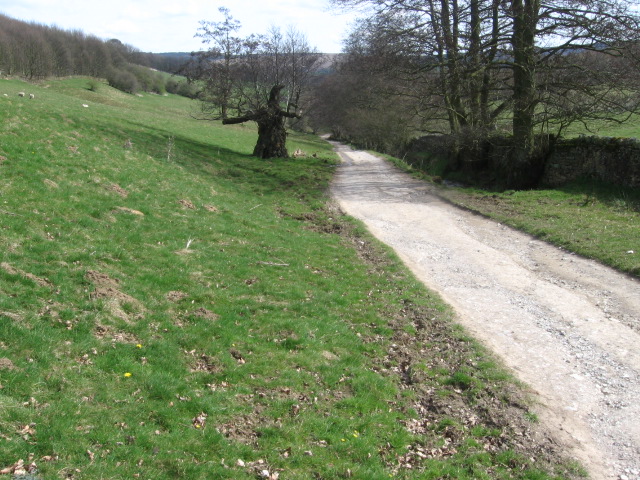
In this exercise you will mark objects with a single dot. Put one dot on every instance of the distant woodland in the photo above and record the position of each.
(35, 51)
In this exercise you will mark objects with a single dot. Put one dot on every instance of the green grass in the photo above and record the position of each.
(629, 126)
(171, 307)
(586, 217)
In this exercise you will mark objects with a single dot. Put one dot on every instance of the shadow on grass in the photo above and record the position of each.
(263, 176)
(592, 191)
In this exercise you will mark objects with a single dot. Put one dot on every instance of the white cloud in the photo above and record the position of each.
(121, 28)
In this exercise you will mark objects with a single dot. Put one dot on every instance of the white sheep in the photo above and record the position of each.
(31, 95)
(21, 94)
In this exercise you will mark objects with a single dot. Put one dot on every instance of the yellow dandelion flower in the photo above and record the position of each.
(138, 346)
(128, 374)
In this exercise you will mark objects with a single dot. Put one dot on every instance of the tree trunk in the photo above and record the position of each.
(524, 92)
(272, 137)
(272, 134)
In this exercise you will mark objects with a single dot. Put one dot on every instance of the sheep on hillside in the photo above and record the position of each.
(31, 95)
(21, 94)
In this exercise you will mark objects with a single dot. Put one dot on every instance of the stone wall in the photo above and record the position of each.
(612, 160)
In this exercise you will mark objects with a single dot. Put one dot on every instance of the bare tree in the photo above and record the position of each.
(37, 55)
(259, 78)
(489, 60)
(549, 42)
(215, 65)
(272, 134)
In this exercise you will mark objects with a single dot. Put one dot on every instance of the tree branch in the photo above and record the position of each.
(289, 114)
(233, 121)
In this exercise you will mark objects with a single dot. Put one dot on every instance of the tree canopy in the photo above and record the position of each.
(526, 67)
(36, 51)
(261, 78)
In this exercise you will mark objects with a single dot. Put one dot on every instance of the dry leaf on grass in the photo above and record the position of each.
(19, 468)
(199, 421)
(128, 210)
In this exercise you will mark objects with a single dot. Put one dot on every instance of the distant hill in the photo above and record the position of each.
(173, 54)
(170, 62)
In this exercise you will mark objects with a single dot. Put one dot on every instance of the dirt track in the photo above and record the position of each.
(568, 327)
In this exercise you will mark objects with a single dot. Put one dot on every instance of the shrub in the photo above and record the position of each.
(189, 90)
(123, 80)
(158, 84)
(93, 84)
(181, 87)
(172, 85)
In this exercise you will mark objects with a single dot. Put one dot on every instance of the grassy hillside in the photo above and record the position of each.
(171, 307)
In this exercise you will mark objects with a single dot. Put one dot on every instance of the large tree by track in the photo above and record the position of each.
(245, 79)
(272, 134)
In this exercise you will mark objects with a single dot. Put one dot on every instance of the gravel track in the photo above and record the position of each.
(566, 326)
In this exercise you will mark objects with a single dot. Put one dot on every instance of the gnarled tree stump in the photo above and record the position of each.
(272, 134)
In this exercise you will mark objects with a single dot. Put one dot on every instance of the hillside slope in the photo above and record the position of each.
(171, 307)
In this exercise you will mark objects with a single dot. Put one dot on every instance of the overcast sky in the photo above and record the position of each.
(170, 25)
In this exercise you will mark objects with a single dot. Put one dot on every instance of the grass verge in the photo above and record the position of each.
(171, 307)
(591, 219)
(587, 217)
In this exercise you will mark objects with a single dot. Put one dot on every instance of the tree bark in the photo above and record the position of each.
(525, 22)
(272, 134)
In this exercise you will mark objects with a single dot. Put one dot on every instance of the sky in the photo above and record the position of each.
(171, 25)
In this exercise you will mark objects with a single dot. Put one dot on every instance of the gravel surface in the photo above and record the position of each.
(568, 327)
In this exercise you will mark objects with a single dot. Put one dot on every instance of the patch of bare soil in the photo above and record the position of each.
(114, 187)
(119, 304)
(106, 332)
(242, 429)
(200, 362)
(176, 296)
(565, 326)
(187, 204)
(42, 282)
(6, 364)
(206, 314)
